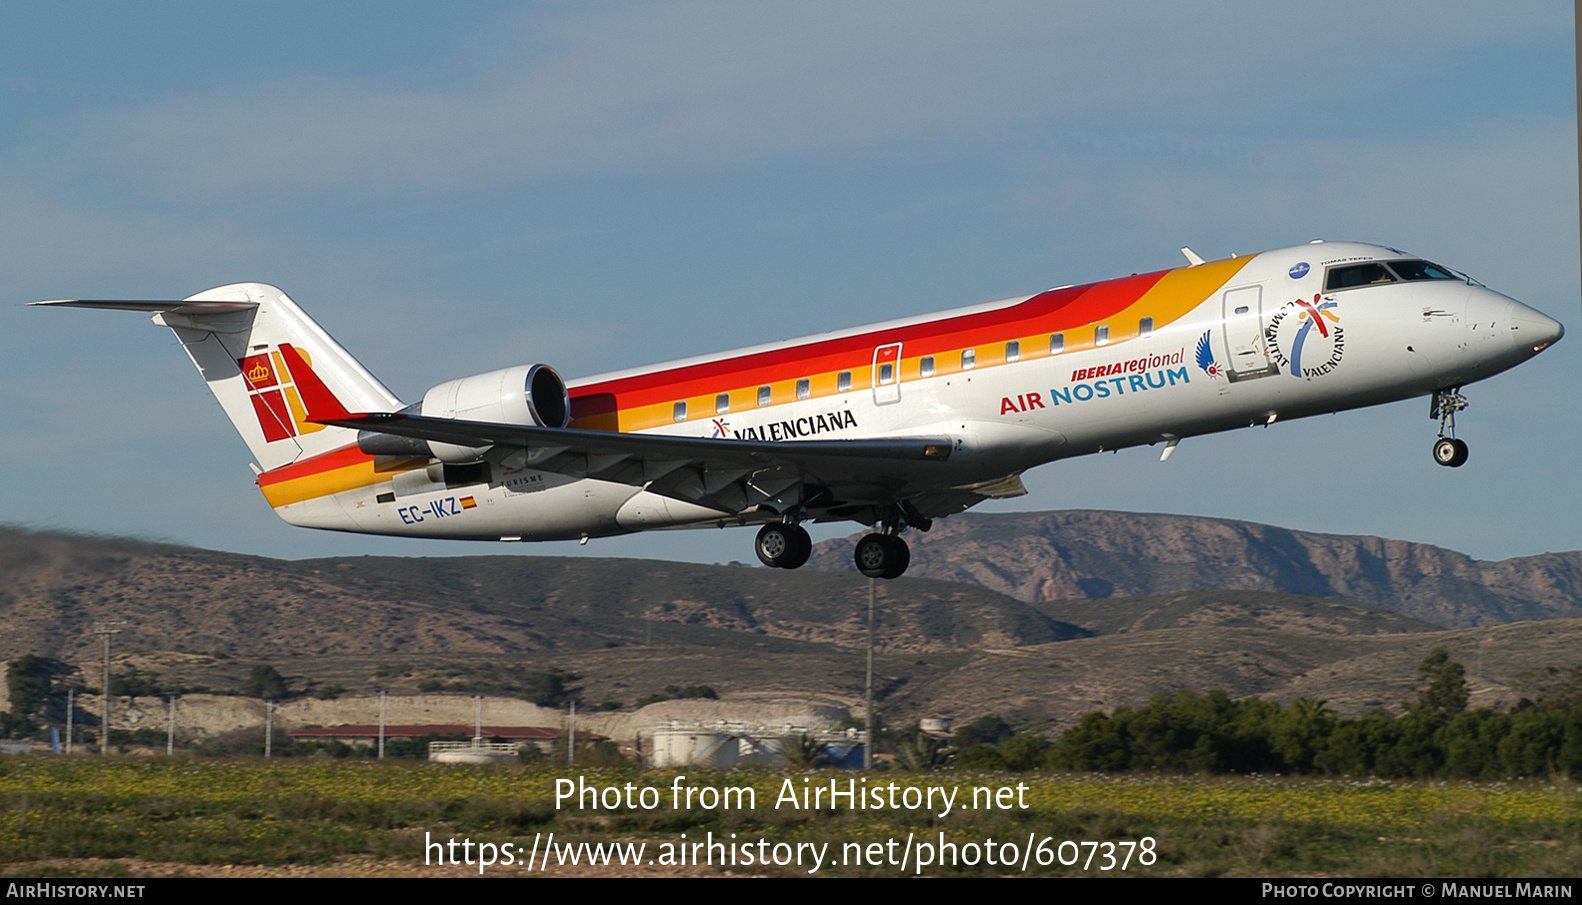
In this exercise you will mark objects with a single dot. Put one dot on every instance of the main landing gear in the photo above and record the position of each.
(882, 556)
(1448, 451)
(783, 546)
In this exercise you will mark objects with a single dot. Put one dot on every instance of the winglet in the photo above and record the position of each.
(321, 404)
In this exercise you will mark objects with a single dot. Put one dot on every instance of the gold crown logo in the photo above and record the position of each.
(259, 373)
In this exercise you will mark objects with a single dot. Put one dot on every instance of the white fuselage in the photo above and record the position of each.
(1269, 343)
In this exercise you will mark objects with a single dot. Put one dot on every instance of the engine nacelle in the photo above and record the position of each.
(526, 394)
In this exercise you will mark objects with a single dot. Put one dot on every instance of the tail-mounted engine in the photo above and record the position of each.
(527, 394)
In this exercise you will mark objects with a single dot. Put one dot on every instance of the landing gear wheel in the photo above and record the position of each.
(1450, 452)
(903, 558)
(773, 544)
(800, 550)
(782, 546)
(882, 556)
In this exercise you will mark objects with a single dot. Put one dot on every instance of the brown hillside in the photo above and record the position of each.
(1044, 556)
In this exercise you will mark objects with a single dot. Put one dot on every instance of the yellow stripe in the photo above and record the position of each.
(335, 480)
(1168, 300)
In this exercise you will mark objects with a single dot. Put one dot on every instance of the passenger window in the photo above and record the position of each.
(1145, 326)
(969, 359)
(843, 382)
(1357, 275)
(887, 373)
(804, 388)
(764, 395)
(680, 412)
(927, 365)
(1057, 343)
(1242, 309)
(1013, 350)
(1101, 335)
(722, 403)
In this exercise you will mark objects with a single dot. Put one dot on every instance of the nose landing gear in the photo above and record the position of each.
(1448, 451)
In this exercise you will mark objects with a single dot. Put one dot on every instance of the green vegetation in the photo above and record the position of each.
(678, 693)
(803, 751)
(137, 684)
(1437, 737)
(178, 811)
(267, 683)
(547, 688)
(36, 687)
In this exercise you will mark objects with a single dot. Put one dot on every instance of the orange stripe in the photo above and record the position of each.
(1166, 297)
(333, 472)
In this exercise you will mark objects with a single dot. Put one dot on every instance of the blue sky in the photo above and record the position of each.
(452, 188)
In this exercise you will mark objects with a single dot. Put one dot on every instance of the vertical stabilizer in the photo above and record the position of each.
(235, 335)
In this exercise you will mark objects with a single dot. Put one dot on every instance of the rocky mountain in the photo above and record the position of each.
(1043, 556)
(54, 587)
(1038, 617)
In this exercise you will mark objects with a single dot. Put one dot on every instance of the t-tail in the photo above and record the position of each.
(250, 343)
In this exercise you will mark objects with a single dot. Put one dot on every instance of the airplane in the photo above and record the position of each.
(890, 425)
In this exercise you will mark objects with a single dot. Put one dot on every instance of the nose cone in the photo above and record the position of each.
(1533, 330)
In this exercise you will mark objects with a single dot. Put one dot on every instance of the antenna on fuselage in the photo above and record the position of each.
(1191, 256)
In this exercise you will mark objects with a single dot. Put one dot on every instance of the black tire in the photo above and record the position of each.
(873, 555)
(882, 556)
(1450, 452)
(902, 556)
(775, 543)
(800, 551)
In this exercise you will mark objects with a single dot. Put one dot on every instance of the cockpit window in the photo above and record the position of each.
(1421, 270)
(1357, 275)
(1375, 272)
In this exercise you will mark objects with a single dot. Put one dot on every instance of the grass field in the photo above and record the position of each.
(127, 816)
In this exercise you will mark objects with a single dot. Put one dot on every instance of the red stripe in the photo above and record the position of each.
(340, 458)
(1047, 312)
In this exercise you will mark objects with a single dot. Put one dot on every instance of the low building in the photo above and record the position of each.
(541, 737)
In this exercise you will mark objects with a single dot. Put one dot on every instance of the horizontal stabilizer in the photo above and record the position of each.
(165, 307)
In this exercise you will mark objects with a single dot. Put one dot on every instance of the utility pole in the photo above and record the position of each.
(170, 729)
(104, 630)
(867, 745)
(269, 728)
(381, 724)
(70, 708)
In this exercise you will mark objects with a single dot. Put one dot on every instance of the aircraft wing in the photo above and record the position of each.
(729, 475)
(837, 478)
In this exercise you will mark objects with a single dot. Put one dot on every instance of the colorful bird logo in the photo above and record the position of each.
(1205, 356)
